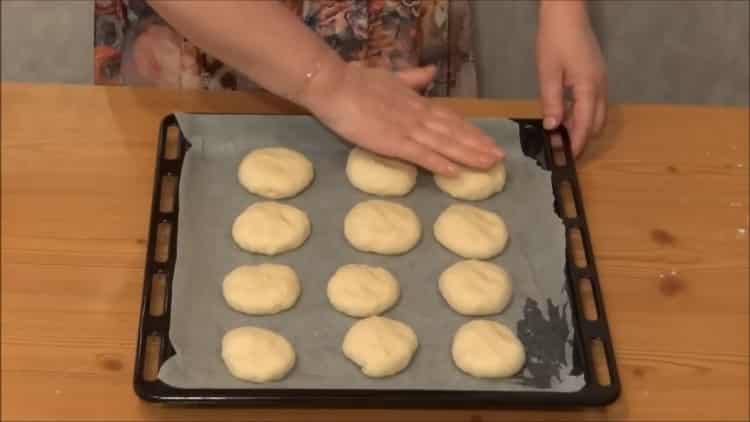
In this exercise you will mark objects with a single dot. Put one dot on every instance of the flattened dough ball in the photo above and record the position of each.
(263, 289)
(362, 290)
(256, 354)
(475, 288)
(487, 349)
(378, 175)
(471, 232)
(380, 346)
(382, 227)
(473, 185)
(275, 172)
(270, 228)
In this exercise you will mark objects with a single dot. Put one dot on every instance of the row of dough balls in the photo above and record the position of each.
(377, 226)
(471, 287)
(389, 228)
(380, 346)
(267, 289)
(278, 173)
(383, 176)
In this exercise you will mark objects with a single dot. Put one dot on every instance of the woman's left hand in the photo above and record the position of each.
(569, 57)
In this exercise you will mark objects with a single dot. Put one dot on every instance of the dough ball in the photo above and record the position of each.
(382, 227)
(362, 290)
(471, 232)
(380, 346)
(487, 349)
(270, 228)
(275, 172)
(475, 288)
(378, 175)
(261, 289)
(256, 354)
(473, 185)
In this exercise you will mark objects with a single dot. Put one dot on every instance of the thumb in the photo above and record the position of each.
(418, 77)
(551, 87)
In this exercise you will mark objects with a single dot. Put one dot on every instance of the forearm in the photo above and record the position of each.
(262, 39)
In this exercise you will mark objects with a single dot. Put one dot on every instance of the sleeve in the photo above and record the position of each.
(109, 32)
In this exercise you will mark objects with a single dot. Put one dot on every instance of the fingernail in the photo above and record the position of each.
(549, 123)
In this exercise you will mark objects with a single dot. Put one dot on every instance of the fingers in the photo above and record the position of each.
(600, 116)
(449, 148)
(445, 121)
(425, 157)
(582, 116)
(417, 78)
(444, 132)
(551, 87)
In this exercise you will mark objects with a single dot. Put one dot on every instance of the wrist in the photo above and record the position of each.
(320, 79)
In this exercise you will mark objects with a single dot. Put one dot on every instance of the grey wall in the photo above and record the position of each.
(676, 51)
(47, 40)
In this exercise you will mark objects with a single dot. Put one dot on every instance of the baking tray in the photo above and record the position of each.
(154, 348)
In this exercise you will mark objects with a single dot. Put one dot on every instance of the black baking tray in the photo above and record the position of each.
(154, 348)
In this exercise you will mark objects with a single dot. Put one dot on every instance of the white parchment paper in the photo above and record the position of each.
(210, 198)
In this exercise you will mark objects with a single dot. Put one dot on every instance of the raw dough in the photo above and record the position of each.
(275, 172)
(256, 354)
(382, 227)
(261, 289)
(270, 228)
(471, 232)
(487, 349)
(380, 346)
(378, 175)
(473, 185)
(475, 288)
(362, 290)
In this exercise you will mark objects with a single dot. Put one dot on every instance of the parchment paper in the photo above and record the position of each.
(210, 198)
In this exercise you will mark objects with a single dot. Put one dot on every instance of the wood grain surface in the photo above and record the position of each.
(665, 189)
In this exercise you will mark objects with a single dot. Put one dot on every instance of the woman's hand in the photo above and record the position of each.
(380, 111)
(568, 56)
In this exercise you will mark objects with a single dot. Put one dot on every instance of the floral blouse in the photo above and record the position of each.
(133, 45)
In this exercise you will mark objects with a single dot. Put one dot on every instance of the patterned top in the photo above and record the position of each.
(133, 45)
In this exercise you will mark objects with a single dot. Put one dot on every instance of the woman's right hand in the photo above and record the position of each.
(380, 111)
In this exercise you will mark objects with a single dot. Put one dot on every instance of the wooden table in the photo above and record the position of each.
(666, 191)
